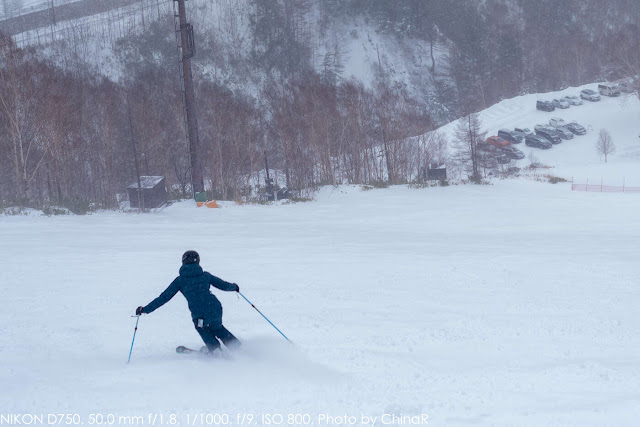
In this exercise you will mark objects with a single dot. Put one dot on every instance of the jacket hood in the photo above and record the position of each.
(190, 270)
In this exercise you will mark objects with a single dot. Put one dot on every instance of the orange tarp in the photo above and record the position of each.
(211, 204)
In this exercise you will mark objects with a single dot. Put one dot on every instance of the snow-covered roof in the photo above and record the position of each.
(147, 182)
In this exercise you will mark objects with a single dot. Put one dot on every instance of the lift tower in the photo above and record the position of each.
(186, 50)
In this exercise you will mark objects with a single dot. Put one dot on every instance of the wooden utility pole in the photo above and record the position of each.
(188, 50)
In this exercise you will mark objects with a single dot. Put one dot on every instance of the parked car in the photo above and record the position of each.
(626, 85)
(503, 158)
(573, 100)
(556, 121)
(537, 141)
(487, 156)
(511, 136)
(523, 131)
(576, 128)
(542, 127)
(496, 141)
(560, 103)
(549, 134)
(608, 89)
(512, 152)
(544, 106)
(487, 162)
(564, 132)
(589, 95)
(483, 146)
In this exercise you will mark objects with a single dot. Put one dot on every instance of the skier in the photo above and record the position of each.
(206, 310)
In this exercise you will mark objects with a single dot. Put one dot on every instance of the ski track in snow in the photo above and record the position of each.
(508, 304)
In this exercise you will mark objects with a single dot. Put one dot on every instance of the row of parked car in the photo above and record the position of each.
(606, 89)
(489, 156)
(498, 150)
(545, 136)
(562, 103)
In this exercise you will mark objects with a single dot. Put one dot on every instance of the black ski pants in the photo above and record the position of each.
(210, 336)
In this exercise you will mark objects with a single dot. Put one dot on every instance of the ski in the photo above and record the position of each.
(218, 354)
(184, 350)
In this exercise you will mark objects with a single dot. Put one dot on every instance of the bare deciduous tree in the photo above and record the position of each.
(604, 144)
(432, 152)
(21, 102)
(467, 136)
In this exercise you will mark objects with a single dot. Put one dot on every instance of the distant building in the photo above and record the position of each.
(437, 173)
(154, 192)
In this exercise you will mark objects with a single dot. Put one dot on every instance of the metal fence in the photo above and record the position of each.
(601, 188)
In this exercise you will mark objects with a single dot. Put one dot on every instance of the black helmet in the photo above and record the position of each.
(190, 257)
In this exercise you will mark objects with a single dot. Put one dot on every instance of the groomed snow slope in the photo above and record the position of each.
(509, 304)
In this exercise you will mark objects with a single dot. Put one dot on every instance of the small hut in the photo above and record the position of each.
(154, 192)
(437, 173)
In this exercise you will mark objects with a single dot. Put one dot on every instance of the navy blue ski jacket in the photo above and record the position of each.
(194, 284)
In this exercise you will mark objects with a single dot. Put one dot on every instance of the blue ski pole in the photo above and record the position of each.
(134, 337)
(265, 317)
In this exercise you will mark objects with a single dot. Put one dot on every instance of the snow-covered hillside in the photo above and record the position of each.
(14, 8)
(353, 46)
(576, 158)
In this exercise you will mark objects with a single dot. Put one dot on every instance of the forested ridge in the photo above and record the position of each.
(273, 77)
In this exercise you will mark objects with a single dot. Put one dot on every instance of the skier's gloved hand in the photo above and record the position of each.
(139, 310)
(237, 287)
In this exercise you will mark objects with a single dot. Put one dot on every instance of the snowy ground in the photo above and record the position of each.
(509, 304)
